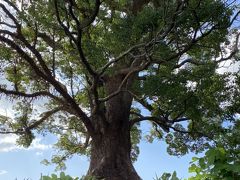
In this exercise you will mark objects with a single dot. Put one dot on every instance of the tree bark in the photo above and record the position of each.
(111, 146)
(110, 156)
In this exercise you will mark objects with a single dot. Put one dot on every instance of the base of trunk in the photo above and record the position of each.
(110, 157)
(107, 172)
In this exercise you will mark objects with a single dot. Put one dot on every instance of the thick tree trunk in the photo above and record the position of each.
(111, 146)
(110, 156)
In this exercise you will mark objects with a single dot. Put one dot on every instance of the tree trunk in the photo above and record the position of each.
(111, 146)
(110, 156)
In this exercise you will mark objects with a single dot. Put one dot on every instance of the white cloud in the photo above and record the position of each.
(3, 172)
(229, 66)
(8, 144)
(39, 153)
(37, 145)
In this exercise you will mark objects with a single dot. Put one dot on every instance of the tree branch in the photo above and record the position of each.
(45, 116)
(93, 16)
(234, 51)
(32, 95)
(65, 28)
(12, 5)
(161, 121)
(134, 70)
(142, 101)
(33, 124)
(52, 81)
(10, 15)
(188, 60)
(115, 60)
(78, 39)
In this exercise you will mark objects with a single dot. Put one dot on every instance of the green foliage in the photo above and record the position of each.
(61, 177)
(135, 139)
(165, 176)
(216, 164)
(222, 161)
(168, 176)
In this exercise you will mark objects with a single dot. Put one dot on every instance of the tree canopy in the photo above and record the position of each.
(98, 66)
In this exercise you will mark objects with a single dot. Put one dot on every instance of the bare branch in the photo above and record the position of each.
(12, 5)
(12, 132)
(166, 125)
(147, 118)
(26, 95)
(10, 15)
(160, 121)
(83, 57)
(7, 24)
(178, 120)
(191, 132)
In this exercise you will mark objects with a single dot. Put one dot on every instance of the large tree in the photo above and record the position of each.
(98, 65)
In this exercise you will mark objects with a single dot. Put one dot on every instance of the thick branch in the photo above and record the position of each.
(10, 15)
(115, 60)
(161, 121)
(124, 81)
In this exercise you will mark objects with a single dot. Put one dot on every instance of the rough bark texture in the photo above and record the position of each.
(110, 156)
(111, 147)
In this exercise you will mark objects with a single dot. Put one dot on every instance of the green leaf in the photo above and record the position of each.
(202, 163)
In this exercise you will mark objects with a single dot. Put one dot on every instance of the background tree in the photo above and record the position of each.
(98, 65)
